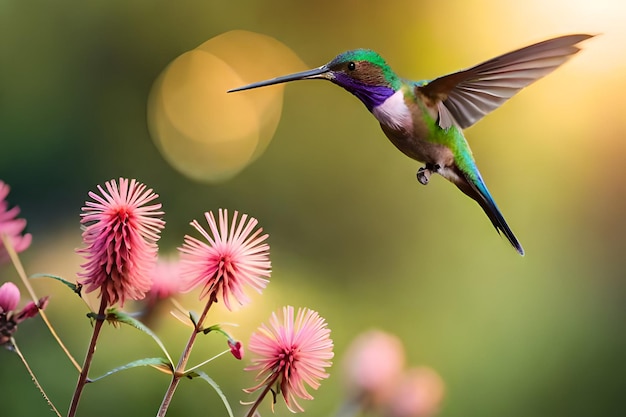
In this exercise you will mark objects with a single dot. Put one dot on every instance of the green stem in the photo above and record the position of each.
(262, 396)
(33, 377)
(193, 368)
(22, 274)
(82, 378)
(184, 358)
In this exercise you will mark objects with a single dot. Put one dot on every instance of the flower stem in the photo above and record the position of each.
(82, 378)
(33, 377)
(352, 407)
(193, 368)
(184, 358)
(22, 273)
(262, 396)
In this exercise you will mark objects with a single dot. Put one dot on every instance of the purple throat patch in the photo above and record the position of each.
(371, 95)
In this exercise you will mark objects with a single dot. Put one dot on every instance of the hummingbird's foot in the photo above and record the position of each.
(424, 173)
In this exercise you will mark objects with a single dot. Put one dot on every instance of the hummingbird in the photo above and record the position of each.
(425, 119)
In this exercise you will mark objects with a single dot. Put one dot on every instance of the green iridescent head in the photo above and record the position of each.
(365, 66)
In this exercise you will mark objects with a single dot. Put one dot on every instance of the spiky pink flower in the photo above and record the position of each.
(234, 257)
(120, 235)
(11, 226)
(292, 352)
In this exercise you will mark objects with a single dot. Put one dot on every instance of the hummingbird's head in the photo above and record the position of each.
(362, 72)
(365, 74)
(362, 66)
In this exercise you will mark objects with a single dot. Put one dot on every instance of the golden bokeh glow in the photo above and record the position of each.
(205, 133)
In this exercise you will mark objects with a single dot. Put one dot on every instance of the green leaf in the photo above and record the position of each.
(214, 328)
(77, 288)
(202, 375)
(194, 318)
(121, 317)
(159, 363)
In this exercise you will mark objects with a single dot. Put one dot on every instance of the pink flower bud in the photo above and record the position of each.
(236, 348)
(31, 310)
(9, 297)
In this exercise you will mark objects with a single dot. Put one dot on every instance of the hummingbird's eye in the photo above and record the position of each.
(351, 66)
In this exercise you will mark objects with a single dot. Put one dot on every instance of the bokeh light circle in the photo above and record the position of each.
(204, 132)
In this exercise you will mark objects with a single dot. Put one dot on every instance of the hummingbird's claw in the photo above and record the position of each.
(424, 173)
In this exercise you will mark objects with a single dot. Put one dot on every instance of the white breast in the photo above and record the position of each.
(394, 112)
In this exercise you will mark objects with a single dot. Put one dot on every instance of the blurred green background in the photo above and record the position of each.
(353, 234)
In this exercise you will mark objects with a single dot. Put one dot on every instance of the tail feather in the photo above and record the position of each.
(476, 189)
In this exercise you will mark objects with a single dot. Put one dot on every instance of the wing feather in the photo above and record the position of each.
(464, 97)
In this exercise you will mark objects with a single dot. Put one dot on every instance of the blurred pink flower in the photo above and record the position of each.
(166, 279)
(9, 317)
(418, 394)
(292, 351)
(120, 237)
(373, 364)
(11, 226)
(233, 258)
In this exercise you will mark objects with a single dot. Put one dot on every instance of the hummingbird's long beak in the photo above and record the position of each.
(304, 75)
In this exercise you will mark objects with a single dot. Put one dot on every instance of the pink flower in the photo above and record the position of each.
(120, 240)
(234, 258)
(10, 226)
(166, 280)
(417, 394)
(373, 364)
(292, 352)
(9, 318)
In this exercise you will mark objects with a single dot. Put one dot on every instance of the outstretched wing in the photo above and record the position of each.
(466, 96)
